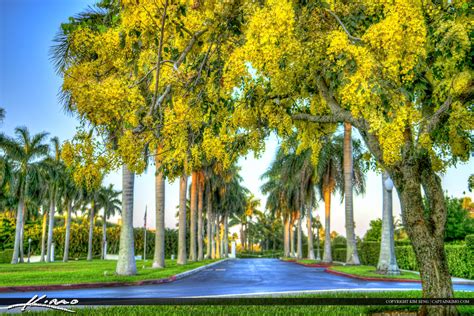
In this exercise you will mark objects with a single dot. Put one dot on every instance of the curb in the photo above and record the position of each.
(30, 288)
(198, 269)
(310, 265)
(328, 270)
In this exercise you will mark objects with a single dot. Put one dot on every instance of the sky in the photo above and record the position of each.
(28, 93)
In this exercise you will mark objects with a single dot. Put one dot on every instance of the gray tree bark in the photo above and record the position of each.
(52, 210)
(200, 218)
(126, 264)
(299, 245)
(19, 221)
(309, 223)
(104, 235)
(193, 219)
(209, 222)
(91, 231)
(183, 186)
(352, 257)
(159, 256)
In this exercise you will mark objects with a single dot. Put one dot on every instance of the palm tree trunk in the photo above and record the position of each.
(52, 209)
(209, 222)
(327, 257)
(91, 231)
(22, 235)
(387, 263)
(126, 264)
(159, 257)
(309, 223)
(292, 238)
(218, 238)
(43, 234)
(213, 236)
(68, 232)
(226, 235)
(19, 221)
(286, 237)
(352, 257)
(299, 245)
(200, 218)
(104, 235)
(193, 220)
(183, 185)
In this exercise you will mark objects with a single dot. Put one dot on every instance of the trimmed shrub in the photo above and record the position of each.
(6, 256)
(469, 242)
(406, 258)
(369, 253)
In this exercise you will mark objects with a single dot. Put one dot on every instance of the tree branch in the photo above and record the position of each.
(358, 39)
(438, 116)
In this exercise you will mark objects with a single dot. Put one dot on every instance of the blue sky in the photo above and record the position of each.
(28, 92)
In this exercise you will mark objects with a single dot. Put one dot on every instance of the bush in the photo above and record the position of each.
(6, 256)
(406, 258)
(469, 242)
(369, 253)
(339, 254)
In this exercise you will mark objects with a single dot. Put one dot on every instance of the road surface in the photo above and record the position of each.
(239, 277)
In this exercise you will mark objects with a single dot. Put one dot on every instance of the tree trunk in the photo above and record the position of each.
(68, 232)
(200, 218)
(218, 237)
(213, 236)
(286, 237)
(426, 235)
(22, 235)
(193, 219)
(104, 235)
(327, 256)
(183, 186)
(309, 224)
(18, 228)
(226, 236)
(352, 257)
(43, 235)
(387, 261)
(52, 210)
(159, 257)
(292, 238)
(209, 221)
(126, 264)
(91, 231)
(299, 245)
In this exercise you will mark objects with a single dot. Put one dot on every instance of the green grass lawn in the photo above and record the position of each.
(369, 271)
(272, 309)
(74, 272)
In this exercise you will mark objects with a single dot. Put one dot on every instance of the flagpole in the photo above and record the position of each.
(144, 236)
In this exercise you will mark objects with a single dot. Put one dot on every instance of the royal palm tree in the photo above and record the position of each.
(110, 203)
(72, 198)
(183, 184)
(25, 152)
(330, 175)
(159, 255)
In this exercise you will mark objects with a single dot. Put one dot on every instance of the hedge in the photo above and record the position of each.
(79, 239)
(469, 242)
(460, 257)
(6, 256)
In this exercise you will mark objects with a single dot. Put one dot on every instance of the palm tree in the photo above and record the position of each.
(183, 183)
(72, 197)
(200, 228)
(109, 202)
(193, 216)
(159, 256)
(25, 152)
(55, 176)
(126, 264)
(330, 173)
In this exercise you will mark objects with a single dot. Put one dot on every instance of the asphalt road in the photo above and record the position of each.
(239, 277)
